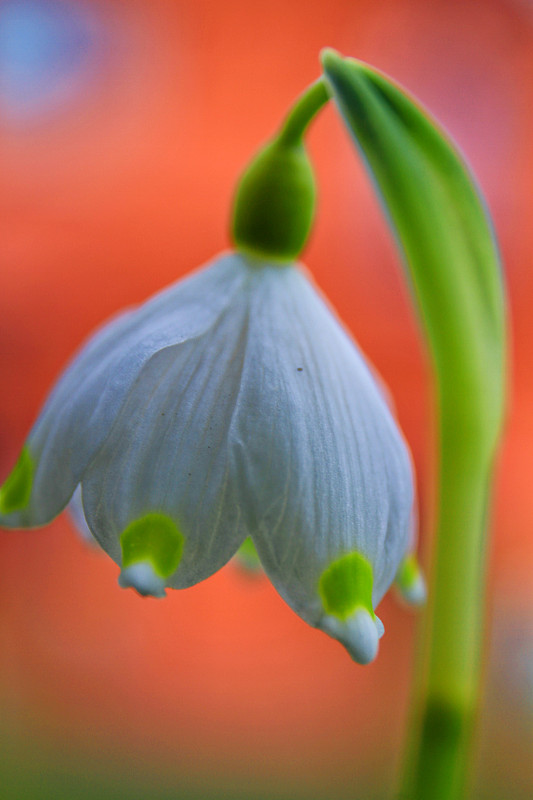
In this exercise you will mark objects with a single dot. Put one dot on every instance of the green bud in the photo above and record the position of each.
(275, 202)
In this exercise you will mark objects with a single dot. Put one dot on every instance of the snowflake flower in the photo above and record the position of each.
(233, 404)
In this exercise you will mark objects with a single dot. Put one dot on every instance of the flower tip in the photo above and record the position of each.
(15, 493)
(247, 559)
(77, 517)
(415, 595)
(143, 578)
(363, 638)
(359, 634)
(410, 582)
(380, 627)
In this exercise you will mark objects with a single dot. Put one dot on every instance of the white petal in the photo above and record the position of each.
(359, 634)
(410, 582)
(142, 577)
(416, 593)
(81, 410)
(168, 450)
(75, 510)
(320, 466)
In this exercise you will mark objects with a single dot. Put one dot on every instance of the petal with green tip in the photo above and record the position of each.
(168, 452)
(77, 516)
(153, 538)
(320, 468)
(410, 581)
(346, 584)
(82, 408)
(142, 577)
(359, 634)
(247, 559)
(238, 407)
(15, 493)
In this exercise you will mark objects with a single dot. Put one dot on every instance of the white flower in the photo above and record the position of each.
(232, 404)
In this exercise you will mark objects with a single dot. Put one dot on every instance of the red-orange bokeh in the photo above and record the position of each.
(125, 186)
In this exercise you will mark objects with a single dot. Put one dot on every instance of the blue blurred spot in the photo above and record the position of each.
(45, 48)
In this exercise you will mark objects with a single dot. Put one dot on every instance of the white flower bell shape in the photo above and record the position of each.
(231, 405)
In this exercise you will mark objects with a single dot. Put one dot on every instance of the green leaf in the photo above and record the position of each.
(444, 233)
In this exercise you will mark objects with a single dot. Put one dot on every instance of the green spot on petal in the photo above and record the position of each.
(247, 557)
(409, 572)
(410, 581)
(346, 585)
(154, 538)
(16, 491)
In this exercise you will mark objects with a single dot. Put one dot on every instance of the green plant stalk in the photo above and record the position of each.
(448, 679)
(445, 235)
(303, 112)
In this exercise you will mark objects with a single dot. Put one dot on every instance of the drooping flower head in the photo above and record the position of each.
(231, 406)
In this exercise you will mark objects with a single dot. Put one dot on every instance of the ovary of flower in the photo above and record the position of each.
(231, 405)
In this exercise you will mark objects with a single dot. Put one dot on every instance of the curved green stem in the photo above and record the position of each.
(449, 249)
(303, 111)
(449, 676)
(276, 196)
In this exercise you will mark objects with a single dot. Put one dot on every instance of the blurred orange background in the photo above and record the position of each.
(124, 128)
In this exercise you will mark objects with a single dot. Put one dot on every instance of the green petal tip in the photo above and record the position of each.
(16, 492)
(410, 582)
(152, 547)
(247, 559)
(346, 585)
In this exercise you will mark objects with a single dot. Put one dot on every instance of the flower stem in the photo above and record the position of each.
(448, 243)
(275, 200)
(302, 113)
(449, 675)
